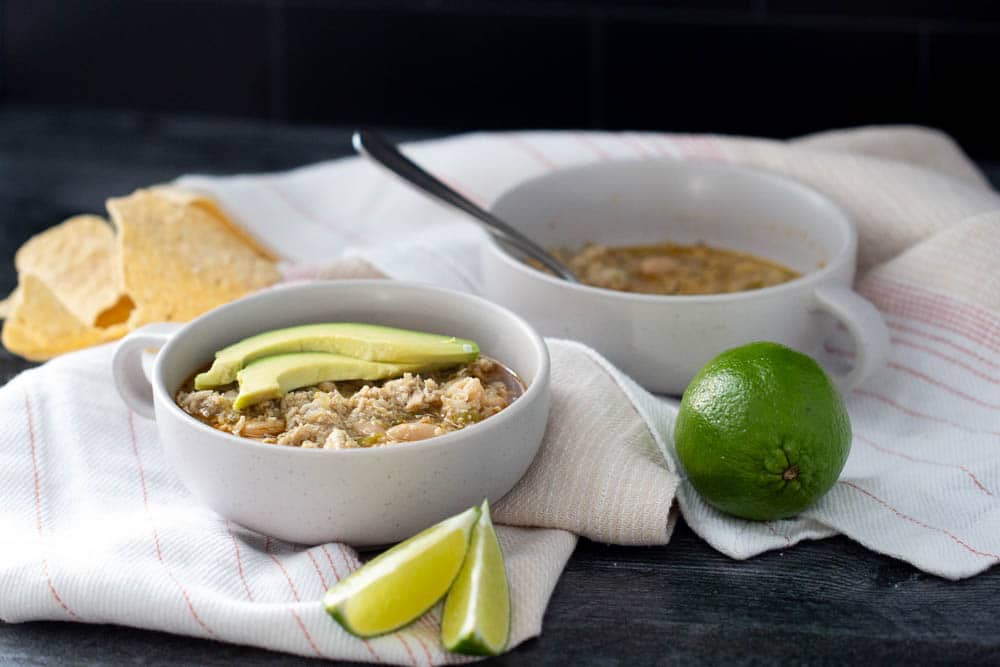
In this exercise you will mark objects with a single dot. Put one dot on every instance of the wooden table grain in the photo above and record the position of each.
(827, 602)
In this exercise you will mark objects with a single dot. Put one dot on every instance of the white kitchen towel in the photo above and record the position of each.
(95, 528)
(923, 479)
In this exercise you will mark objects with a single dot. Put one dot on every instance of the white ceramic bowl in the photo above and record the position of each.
(662, 341)
(359, 496)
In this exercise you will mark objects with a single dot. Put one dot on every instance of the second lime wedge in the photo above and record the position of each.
(476, 618)
(398, 586)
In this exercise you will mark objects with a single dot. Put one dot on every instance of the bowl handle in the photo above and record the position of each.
(865, 325)
(127, 366)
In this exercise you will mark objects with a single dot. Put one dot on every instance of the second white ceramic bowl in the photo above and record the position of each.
(362, 497)
(662, 341)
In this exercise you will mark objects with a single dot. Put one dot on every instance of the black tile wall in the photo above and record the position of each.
(901, 9)
(769, 67)
(424, 69)
(758, 79)
(961, 86)
(138, 54)
(745, 6)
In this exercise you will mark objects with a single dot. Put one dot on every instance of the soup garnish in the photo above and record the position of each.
(317, 386)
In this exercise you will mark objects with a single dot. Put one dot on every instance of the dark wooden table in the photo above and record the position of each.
(826, 602)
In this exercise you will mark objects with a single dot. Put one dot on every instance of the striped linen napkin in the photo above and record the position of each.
(95, 527)
(923, 479)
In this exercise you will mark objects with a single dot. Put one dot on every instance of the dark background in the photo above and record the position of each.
(763, 67)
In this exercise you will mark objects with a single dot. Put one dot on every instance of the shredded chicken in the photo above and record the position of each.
(346, 415)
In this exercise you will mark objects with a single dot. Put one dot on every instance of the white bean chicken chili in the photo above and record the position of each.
(347, 415)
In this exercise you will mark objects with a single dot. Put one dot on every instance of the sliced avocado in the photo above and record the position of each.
(370, 342)
(273, 377)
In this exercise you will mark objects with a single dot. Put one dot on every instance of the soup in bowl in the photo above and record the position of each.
(332, 484)
(663, 339)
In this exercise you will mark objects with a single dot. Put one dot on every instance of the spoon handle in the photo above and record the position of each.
(378, 148)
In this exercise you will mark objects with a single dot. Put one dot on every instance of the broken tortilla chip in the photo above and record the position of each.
(39, 326)
(180, 260)
(188, 198)
(77, 261)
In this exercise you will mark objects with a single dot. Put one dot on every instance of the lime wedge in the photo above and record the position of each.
(400, 585)
(476, 618)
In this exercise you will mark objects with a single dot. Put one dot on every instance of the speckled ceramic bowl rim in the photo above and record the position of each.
(513, 411)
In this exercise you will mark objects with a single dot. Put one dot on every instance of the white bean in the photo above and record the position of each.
(411, 432)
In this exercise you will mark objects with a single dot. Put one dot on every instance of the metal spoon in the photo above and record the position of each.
(381, 150)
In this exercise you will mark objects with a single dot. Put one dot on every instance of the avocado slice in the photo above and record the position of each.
(369, 342)
(275, 376)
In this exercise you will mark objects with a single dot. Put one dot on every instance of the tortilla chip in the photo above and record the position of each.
(188, 198)
(180, 260)
(77, 261)
(40, 327)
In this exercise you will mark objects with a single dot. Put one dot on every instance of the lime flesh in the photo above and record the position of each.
(762, 432)
(476, 618)
(400, 585)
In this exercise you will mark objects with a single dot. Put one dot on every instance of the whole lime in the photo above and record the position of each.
(762, 432)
